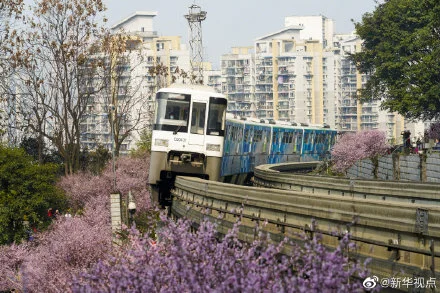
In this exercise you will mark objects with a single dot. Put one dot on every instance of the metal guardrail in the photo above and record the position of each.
(397, 236)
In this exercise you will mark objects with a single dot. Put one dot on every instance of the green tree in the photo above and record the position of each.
(400, 53)
(96, 160)
(27, 191)
(33, 147)
(144, 142)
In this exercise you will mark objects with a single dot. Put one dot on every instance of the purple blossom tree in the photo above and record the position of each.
(352, 147)
(131, 175)
(198, 262)
(11, 259)
(434, 130)
(48, 263)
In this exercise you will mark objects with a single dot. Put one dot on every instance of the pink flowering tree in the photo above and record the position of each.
(11, 259)
(352, 147)
(434, 130)
(182, 261)
(70, 245)
(131, 174)
(48, 263)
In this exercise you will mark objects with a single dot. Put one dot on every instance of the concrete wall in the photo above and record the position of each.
(362, 169)
(400, 167)
(410, 167)
(385, 170)
(433, 168)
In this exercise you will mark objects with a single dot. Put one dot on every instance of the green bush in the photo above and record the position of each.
(27, 191)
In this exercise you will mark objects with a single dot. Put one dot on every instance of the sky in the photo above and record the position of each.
(231, 23)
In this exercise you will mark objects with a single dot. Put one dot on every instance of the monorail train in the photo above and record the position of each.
(252, 142)
(188, 137)
(193, 137)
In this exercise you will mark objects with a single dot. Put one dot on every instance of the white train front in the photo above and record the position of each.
(187, 138)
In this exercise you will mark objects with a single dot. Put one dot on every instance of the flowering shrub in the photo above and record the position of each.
(70, 245)
(352, 147)
(130, 173)
(11, 258)
(434, 130)
(197, 262)
(48, 263)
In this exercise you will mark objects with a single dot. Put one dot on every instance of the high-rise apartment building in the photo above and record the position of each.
(291, 77)
(302, 73)
(295, 81)
(314, 27)
(213, 78)
(137, 79)
(238, 81)
(352, 114)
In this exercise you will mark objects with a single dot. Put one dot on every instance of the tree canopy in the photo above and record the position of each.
(400, 53)
(27, 190)
(352, 147)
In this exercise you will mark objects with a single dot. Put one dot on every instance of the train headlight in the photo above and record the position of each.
(213, 147)
(161, 142)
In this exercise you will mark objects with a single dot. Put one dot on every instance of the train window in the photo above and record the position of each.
(216, 116)
(229, 131)
(257, 135)
(312, 137)
(239, 134)
(172, 112)
(287, 137)
(322, 138)
(247, 135)
(265, 141)
(291, 137)
(317, 138)
(198, 118)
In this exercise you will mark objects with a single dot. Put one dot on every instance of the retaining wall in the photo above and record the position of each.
(400, 167)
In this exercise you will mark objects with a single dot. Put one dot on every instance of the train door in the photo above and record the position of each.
(197, 127)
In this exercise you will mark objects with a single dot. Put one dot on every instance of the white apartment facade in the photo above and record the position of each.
(302, 73)
(354, 115)
(292, 75)
(145, 51)
(238, 81)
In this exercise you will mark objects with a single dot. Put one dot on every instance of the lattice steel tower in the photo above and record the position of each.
(195, 18)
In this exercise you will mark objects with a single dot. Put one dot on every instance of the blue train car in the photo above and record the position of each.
(286, 144)
(251, 142)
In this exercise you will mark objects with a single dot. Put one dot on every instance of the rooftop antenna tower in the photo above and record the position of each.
(195, 18)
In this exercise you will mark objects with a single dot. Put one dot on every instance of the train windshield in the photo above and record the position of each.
(172, 112)
(216, 116)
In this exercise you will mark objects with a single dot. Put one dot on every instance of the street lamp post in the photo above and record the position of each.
(131, 208)
(112, 114)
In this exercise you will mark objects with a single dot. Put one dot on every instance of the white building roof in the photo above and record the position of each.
(293, 28)
(136, 14)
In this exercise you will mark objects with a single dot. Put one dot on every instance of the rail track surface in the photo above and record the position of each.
(396, 224)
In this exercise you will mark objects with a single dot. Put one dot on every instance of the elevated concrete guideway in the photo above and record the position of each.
(395, 226)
